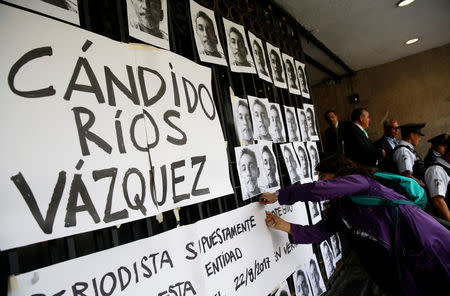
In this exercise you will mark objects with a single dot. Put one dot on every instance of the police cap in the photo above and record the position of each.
(412, 128)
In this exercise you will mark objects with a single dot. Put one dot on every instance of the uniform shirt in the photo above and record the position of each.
(437, 179)
(404, 158)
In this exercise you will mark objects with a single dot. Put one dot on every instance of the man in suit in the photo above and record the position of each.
(388, 142)
(332, 141)
(357, 145)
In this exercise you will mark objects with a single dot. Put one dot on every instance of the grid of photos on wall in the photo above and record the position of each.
(262, 125)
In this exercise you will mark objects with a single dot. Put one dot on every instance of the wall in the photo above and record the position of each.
(411, 89)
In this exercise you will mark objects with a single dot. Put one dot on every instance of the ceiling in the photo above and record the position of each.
(367, 33)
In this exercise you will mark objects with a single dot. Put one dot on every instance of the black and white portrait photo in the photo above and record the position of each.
(302, 80)
(238, 51)
(269, 165)
(147, 21)
(291, 124)
(242, 121)
(276, 127)
(290, 159)
(328, 258)
(314, 210)
(248, 165)
(317, 284)
(311, 121)
(303, 123)
(337, 247)
(257, 168)
(283, 290)
(301, 283)
(291, 74)
(305, 169)
(66, 10)
(206, 36)
(260, 118)
(260, 57)
(276, 65)
(314, 157)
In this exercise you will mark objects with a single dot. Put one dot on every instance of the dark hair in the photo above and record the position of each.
(357, 113)
(284, 293)
(202, 14)
(329, 111)
(267, 150)
(288, 62)
(300, 272)
(242, 103)
(236, 31)
(274, 108)
(257, 44)
(258, 102)
(339, 166)
(248, 152)
(290, 111)
(272, 51)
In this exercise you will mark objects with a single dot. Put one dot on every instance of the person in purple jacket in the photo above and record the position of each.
(423, 245)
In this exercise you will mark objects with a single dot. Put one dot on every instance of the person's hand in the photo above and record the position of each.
(267, 198)
(383, 153)
(276, 222)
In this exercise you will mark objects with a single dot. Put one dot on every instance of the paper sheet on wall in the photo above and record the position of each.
(81, 118)
(235, 255)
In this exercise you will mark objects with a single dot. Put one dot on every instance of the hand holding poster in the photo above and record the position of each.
(107, 133)
(236, 254)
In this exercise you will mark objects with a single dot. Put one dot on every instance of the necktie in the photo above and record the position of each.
(364, 131)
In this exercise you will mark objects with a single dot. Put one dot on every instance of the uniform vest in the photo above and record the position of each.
(418, 167)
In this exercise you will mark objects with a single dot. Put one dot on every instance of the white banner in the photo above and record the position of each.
(230, 254)
(85, 118)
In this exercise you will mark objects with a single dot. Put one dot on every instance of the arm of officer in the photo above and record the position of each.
(436, 179)
(441, 207)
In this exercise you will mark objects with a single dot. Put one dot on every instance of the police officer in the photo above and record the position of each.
(408, 162)
(438, 146)
(437, 178)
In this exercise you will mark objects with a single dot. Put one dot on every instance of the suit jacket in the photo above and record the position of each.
(358, 147)
(332, 141)
(386, 164)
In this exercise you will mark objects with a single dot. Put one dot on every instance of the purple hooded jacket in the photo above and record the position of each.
(423, 244)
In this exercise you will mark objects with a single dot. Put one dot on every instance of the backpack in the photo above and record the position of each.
(405, 186)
